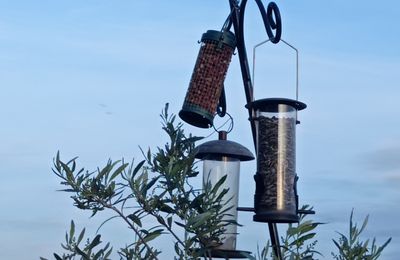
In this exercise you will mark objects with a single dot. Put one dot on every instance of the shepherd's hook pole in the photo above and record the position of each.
(272, 21)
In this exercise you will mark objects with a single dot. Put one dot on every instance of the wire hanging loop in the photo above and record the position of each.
(297, 63)
(230, 127)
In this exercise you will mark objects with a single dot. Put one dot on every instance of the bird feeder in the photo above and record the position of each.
(275, 199)
(207, 79)
(222, 158)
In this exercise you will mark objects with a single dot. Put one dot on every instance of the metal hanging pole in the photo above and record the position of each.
(244, 65)
(237, 20)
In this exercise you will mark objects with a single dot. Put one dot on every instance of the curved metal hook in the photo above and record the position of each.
(237, 19)
(271, 19)
(221, 108)
(269, 22)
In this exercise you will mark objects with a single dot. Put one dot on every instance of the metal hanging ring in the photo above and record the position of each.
(230, 128)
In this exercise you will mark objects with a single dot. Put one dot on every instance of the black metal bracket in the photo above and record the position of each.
(221, 107)
(300, 211)
(272, 21)
(306, 212)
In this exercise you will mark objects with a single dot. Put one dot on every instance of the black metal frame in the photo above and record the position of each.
(237, 20)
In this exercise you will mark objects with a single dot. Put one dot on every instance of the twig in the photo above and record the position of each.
(131, 226)
(169, 229)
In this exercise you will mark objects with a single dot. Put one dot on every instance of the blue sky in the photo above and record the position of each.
(89, 78)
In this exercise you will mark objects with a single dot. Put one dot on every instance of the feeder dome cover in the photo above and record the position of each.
(270, 104)
(223, 148)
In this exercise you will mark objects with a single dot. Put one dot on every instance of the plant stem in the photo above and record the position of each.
(186, 235)
(169, 229)
(131, 226)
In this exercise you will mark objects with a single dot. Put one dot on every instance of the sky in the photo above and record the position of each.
(90, 78)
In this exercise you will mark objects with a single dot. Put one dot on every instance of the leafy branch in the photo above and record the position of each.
(298, 242)
(97, 192)
(74, 249)
(159, 188)
(352, 247)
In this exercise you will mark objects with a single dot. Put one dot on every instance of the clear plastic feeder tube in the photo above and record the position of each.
(213, 171)
(275, 199)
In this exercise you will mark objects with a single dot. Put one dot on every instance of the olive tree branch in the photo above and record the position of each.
(141, 239)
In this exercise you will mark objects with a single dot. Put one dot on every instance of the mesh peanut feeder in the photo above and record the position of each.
(208, 76)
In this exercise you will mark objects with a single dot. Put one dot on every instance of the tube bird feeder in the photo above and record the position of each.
(207, 79)
(275, 198)
(222, 158)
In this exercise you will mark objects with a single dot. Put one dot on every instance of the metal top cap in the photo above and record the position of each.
(267, 104)
(227, 37)
(223, 148)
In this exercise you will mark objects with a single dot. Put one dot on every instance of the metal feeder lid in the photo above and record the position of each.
(223, 147)
(226, 37)
(268, 104)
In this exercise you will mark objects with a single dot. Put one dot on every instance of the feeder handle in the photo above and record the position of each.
(230, 127)
(297, 63)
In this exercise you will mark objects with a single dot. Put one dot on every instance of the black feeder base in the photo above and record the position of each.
(196, 116)
(229, 254)
(276, 217)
